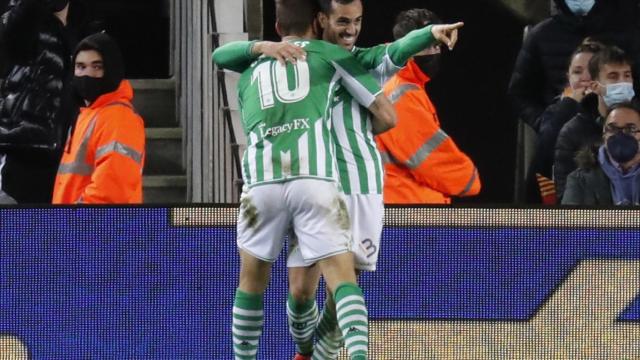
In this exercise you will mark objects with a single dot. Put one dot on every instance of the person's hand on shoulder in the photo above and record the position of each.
(282, 51)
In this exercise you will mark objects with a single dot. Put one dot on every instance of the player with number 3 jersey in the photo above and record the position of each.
(291, 176)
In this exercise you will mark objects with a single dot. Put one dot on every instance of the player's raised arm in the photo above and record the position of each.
(235, 56)
(420, 39)
(401, 50)
(447, 33)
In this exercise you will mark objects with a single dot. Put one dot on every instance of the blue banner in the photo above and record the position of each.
(143, 283)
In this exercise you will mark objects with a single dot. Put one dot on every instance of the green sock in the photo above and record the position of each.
(248, 315)
(302, 322)
(328, 334)
(352, 319)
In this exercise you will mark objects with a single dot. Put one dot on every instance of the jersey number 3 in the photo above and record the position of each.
(273, 81)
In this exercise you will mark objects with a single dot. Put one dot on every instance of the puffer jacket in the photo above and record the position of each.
(35, 105)
(584, 129)
(540, 70)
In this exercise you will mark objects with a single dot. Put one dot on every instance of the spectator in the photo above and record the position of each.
(564, 108)
(613, 83)
(104, 155)
(36, 105)
(610, 175)
(538, 76)
(422, 163)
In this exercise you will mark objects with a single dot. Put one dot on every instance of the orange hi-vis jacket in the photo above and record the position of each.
(422, 163)
(104, 155)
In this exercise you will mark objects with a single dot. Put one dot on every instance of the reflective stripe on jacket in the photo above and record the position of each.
(422, 163)
(104, 156)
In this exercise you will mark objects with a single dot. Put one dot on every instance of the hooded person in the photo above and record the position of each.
(539, 73)
(37, 38)
(104, 155)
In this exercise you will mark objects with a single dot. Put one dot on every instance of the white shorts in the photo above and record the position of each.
(313, 209)
(366, 213)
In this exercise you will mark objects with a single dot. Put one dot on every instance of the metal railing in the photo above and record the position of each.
(229, 182)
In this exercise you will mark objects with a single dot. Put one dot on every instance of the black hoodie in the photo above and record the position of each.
(540, 71)
(111, 59)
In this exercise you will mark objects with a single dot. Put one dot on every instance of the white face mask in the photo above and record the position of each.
(617, 93)
(580, 7)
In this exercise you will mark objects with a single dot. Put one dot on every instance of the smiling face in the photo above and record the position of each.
(342, 26)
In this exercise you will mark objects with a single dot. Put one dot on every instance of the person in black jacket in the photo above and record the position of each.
(612, 83)
(539, 73)
(36, 104)
(609, 174)
(554, 117)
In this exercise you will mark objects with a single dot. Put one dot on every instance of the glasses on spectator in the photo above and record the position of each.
(629, 129)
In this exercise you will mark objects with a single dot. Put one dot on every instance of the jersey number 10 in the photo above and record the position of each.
(272, 75)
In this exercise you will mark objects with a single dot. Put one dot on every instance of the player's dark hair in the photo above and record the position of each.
(409, 20)
(295, 16)
(325, 5)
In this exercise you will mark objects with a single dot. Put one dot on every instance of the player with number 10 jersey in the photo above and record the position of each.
(287, 121)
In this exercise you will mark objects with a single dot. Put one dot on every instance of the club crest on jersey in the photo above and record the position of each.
(295, 124)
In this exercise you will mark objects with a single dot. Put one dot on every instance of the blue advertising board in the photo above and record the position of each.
(158, 283)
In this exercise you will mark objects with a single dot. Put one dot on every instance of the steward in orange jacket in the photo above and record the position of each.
(104, 155)
(422, 163)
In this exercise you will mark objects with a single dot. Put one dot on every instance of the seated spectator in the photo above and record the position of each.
(554, 117)
(612, 83)
(538, 75)
(104, 155)
(610, 175)
(422, 163)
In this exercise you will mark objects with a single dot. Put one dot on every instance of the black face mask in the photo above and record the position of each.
(88, 88)
(429, 64)
(57, 5)
(622, 147)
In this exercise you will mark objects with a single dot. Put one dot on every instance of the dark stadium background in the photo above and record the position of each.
(469, 93)
(141, 28)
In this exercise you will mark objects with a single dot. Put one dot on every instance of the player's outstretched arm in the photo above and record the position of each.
(447, 33)
(384, 114)
(401, 50)
(419, 39)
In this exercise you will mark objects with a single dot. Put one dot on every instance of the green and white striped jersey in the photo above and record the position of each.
(286, 112)
(359, 161)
